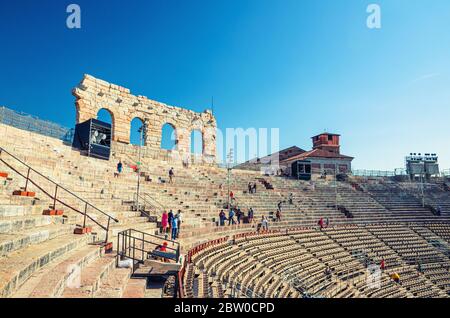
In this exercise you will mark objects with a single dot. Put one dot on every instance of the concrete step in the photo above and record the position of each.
(135, 288)
(66, 271)
(115, 284)
(18, 266)
(21, 210)
(16, 224)
(14, 241)
(91, 278)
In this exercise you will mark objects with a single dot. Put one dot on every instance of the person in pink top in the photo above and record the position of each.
(165, 222)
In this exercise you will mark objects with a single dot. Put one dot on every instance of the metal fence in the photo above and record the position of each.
(34, 124)
(396, 172)
(373, 173)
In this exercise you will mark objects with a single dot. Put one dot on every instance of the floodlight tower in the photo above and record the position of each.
(229, 158)
(422, 185)
(335, 185)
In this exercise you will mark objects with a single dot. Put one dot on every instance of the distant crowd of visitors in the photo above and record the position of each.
(235, 216)
(120, 166)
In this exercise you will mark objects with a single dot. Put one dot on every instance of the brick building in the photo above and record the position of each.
(324, 159)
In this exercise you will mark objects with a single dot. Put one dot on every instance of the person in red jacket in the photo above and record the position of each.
(321, 223)
(232, 196)
(382, 265)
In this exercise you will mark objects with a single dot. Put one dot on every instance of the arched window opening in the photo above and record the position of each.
(196, 142)
(105, 115)
(137, 136)
(168, 137)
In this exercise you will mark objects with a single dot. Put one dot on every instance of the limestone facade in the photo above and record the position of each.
(93, 94)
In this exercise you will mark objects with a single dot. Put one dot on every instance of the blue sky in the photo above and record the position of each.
(301, 66)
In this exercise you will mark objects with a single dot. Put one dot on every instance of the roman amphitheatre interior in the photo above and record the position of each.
(72, 225)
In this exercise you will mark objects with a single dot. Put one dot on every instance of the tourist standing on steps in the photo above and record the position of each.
(238, 215)
(264, 223)
(171, 175)
(321, 224)
(222, 218)
(254, 188)
(119, 169)
(250, 215)
(164, 222)
(186, 162)
(180, 220)
(419, 268)
(291, 199)
(382, 265)
(231, 217)
(170, 219)
(174, 228)
(278, 215)
(249, 188)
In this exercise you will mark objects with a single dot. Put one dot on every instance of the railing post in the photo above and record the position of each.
(134, 248)
(129, 242)
(117, 254)
(107, 231)
(143, 245)
(124, 243)
(54, 198)
(28, 176)
(85, 213)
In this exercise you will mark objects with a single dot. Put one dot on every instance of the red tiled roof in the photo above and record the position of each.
(318, 153)
(325, 133)
(283, 155)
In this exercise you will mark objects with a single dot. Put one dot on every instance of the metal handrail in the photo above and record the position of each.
(54, 196)
(138, 206)
(148, 200)
(126, 245)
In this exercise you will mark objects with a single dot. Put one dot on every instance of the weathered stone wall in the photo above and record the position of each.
(93, 94)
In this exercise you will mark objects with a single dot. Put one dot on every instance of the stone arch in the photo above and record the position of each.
(169, 136)
(197, 144)
(92, 94)
(102, 116)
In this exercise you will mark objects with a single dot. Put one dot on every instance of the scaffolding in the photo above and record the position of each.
(31, 123)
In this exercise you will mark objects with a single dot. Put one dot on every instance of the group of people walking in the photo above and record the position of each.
(238, 214)
(251, 187)
(171, 223)
(235, 216)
